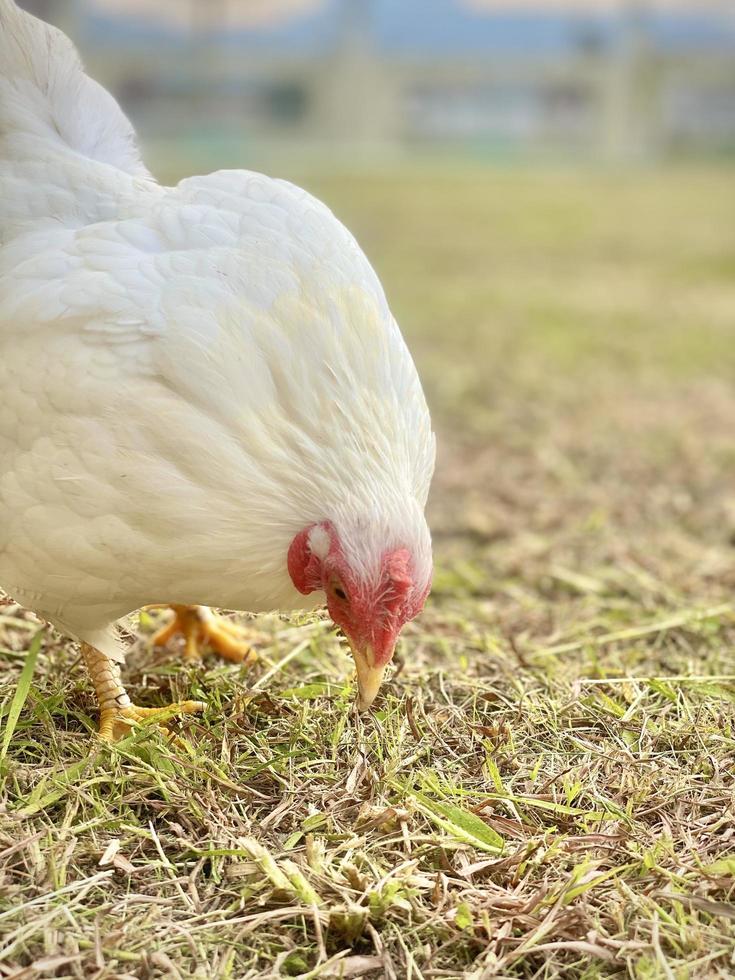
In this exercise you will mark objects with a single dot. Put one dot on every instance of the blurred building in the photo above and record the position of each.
(622, 80)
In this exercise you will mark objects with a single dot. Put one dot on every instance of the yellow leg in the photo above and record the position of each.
(117, 713)
(199, 626)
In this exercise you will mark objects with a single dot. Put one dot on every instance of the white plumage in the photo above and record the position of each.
(188, 375)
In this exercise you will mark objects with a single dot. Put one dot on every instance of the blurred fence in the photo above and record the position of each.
(615, 81)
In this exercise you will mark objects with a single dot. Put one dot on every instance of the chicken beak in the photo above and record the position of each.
(369, 677)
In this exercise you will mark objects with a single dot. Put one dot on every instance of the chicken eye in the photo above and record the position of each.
(340, 593)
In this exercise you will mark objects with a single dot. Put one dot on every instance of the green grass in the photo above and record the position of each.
(546, 788)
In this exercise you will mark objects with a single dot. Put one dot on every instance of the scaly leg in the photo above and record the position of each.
(199, 626)
(117, 713)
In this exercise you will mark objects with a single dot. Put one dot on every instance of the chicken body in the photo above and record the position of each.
(189, 376)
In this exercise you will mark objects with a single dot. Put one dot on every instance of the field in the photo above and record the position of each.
(546, 786)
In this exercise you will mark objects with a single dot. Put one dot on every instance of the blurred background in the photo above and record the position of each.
(571, 78)
(546, 189)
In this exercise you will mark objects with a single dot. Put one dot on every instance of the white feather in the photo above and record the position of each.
(188, 375)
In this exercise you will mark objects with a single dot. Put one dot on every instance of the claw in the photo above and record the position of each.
(116, 723)
(199, 626)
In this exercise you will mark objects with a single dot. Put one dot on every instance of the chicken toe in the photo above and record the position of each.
(116, 722)
(118, 715)
(200, 627)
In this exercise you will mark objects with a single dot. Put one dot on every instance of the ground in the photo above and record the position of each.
(546, 786)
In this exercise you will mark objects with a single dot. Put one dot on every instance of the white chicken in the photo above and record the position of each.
(204, 397)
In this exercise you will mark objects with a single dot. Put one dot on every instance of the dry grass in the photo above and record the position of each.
(546, 788)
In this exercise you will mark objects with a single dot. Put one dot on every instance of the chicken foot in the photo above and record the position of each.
(200, 626)
(118, 715)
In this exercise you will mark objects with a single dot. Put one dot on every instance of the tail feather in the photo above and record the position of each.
(48, 103)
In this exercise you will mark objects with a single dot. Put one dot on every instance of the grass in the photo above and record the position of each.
(546, 788)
